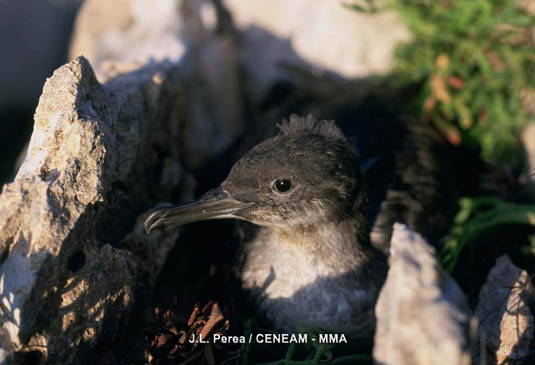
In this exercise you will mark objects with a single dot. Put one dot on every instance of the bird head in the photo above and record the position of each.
(306, 175)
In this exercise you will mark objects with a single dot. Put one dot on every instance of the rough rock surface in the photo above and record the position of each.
(422, 315)
(128, 31)
(186, 31)
(505, 318)
(66, 282)
(322, 35)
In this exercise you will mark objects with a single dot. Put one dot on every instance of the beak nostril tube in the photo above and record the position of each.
(215, 204)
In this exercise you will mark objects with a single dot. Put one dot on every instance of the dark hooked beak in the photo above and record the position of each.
(215, 204)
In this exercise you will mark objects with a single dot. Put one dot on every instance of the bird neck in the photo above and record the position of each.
(341, 244)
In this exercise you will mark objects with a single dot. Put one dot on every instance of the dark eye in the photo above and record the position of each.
(282, 185)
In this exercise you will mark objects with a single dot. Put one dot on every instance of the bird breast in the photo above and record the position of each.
(291, 286)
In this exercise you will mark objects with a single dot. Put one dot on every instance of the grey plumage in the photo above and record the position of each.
(311, 262)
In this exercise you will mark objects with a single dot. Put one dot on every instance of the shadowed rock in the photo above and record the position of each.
(342, 40)
(505, 319)
(73, 258)
(135, 32)
(65, 282)
(422, 315)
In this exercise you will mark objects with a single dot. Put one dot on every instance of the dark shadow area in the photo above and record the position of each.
(35, 35)
(397, 154)
(86, 287)
(15, 132)
(482, 254)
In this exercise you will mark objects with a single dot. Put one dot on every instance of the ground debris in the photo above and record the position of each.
(176, 339)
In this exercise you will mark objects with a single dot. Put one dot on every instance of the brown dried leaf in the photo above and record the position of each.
(182, 337)
(442, 61)
(439, 89)
(449, 131)
(429, 103)
(496, 61)
(170, 340)
(215, 317)
(224, 327)
(456, 82)
(161, 340)
(193, 315)
(207, 308)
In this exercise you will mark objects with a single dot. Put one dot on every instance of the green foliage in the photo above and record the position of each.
(475, 60)
(471, 222)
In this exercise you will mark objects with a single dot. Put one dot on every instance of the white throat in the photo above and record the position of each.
(312, 284)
